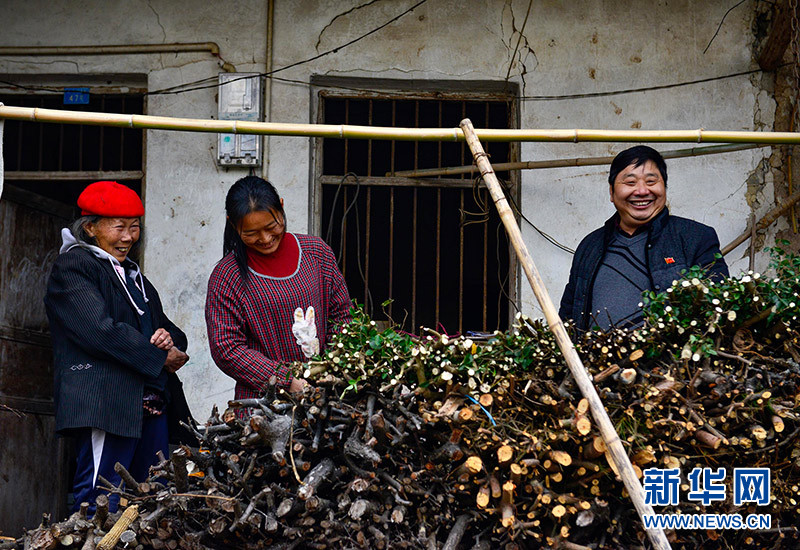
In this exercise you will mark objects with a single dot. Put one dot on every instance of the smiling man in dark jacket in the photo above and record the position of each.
(641, 247)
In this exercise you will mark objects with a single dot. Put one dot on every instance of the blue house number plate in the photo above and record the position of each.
(76, 96)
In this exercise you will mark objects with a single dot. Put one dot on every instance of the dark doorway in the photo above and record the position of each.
(46, 168)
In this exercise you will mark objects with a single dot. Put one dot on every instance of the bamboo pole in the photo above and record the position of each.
(566, 163)
(348, 131)
(617, 452)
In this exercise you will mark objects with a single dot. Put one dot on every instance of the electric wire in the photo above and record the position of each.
(640, 89)
(555, 97)
(173, 91)
(721, 22)
(212, 80)
(483, 213)
(368, 301)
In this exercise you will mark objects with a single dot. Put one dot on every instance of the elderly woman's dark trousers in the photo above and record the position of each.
(99, 451)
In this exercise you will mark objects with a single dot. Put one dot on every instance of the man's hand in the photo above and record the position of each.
(175, 359)
(161, 339)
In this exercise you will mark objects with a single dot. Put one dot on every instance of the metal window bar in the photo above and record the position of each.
(51, 163)
(391, 213)
(102, 133)
(427, 213)
(367, 227)
(414, 231)
(463, 148)
(438, 226)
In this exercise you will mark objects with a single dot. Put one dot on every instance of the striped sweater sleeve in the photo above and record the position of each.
(227, 340)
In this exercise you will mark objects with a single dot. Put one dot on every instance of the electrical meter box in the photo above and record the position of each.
(239, 99)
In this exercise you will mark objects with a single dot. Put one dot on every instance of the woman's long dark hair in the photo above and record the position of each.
(249, 194)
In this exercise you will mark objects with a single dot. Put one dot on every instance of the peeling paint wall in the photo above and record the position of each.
(567, 48)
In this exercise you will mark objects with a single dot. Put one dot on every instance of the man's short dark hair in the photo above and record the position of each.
(637, 156)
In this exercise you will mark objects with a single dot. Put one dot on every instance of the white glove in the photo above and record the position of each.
(305, 330)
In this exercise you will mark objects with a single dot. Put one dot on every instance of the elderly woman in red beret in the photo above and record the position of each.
(115, 350)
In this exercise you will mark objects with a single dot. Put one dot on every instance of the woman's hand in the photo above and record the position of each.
(297, 385)
(161, 339)
(175, 359)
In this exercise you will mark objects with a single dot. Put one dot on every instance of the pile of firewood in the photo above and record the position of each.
(443, 442)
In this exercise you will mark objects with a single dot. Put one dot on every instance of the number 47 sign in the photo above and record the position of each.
(76, 96)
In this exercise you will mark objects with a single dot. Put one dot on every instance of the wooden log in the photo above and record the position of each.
(595, 448)
(149, 523)
(582, 425)
(274, 433)
(473, 465)
(398, 514)
(463, 415)
(361, 507)
(289, 507)
(315, 477)
(457, 532)
(484, 494)
(101, 511)
(576, 367)
(780, 34)
(645, 456)
(562, 457)
(505, 453)
(126, 476)
(627, 376)
(179, 469)
(602, 375)
(507, 517)
(707, 439)
(494, 485)
(128, 538)
(89, 543)
(42, 539)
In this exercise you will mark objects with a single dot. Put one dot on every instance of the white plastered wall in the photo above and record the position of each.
(569, 48)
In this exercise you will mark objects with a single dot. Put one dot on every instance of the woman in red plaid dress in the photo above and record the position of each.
(275, 297)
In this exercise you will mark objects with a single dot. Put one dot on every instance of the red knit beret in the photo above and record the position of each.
(110, 200)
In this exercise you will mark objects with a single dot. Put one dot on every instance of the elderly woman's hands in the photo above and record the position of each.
(161, 339)
(175, 359)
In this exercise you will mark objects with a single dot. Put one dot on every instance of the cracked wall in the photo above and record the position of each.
(775, 183)
(573, 50)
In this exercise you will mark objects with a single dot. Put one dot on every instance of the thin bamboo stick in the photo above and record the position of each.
(37, 114)
(566, 163)
(613, 443)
